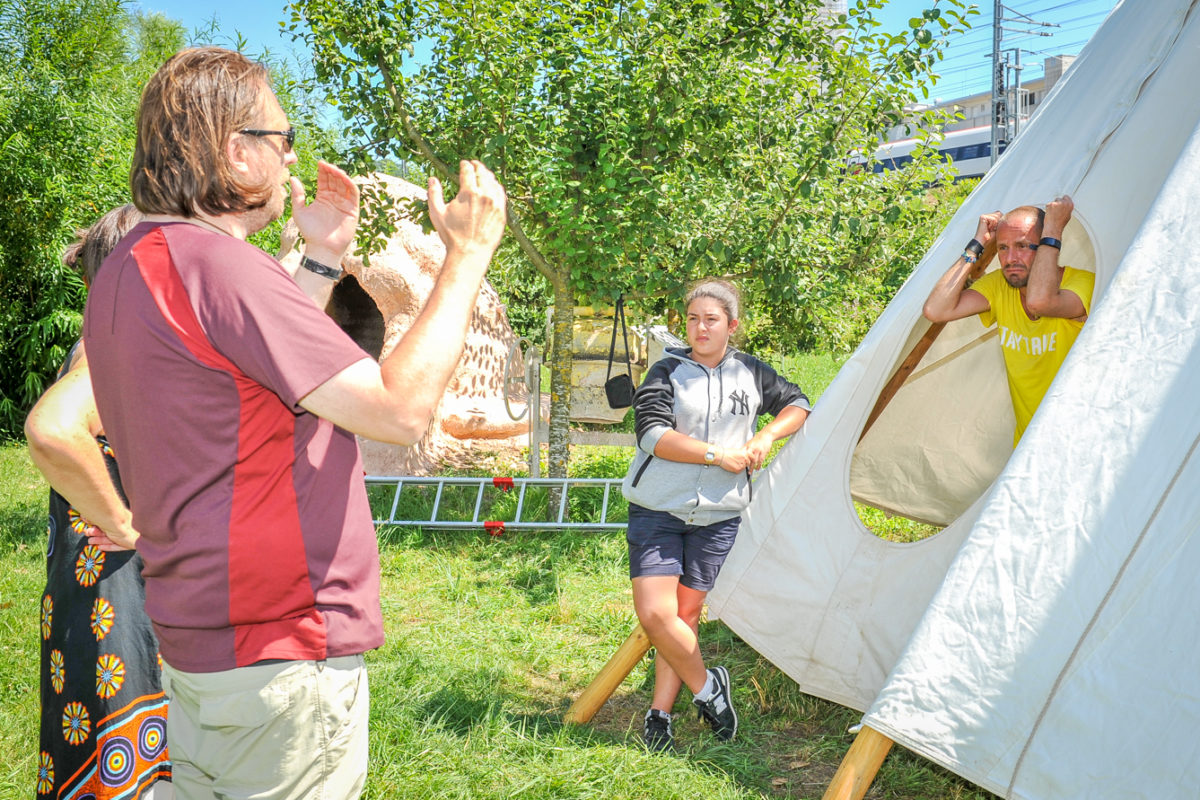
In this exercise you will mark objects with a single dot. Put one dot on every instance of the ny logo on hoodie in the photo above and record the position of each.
(741, 401)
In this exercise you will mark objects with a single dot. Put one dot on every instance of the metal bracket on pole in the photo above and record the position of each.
(1006, 109)
(532, 379)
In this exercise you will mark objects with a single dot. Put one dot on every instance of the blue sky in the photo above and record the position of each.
(257, 21)
(965, 70)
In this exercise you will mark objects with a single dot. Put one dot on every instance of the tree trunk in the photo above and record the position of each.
(561, 358)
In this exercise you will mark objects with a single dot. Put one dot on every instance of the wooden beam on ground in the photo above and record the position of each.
(919, 349)
(609, 678)
(860, 766)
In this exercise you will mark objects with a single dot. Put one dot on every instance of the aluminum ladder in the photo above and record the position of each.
(471, 493)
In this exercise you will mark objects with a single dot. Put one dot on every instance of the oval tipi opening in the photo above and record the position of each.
(941, 431)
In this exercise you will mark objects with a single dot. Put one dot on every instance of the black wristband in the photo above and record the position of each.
(975, 247)
(1050, 241)
(320, 269)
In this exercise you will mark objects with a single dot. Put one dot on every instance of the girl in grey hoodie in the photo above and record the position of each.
(695, 416)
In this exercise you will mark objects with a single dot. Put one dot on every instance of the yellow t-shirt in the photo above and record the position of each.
(1033, 349)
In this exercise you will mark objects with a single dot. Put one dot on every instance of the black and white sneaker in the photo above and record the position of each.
(656, 730)
(718, 709)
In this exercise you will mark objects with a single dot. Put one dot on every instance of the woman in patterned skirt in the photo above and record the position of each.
(103, 714)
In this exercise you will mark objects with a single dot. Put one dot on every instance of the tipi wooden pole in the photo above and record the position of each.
(901, 375)
(920, 348)
(610, 677)
(859, 767)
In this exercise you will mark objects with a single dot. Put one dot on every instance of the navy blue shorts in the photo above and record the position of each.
(663, 544)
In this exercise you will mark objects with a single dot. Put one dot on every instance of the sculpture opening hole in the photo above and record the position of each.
(356, 313)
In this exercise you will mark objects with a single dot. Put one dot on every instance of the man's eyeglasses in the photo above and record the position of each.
(289, 136)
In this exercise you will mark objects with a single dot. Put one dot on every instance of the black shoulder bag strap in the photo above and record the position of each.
(619, 318)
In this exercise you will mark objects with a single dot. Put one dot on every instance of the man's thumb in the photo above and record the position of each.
(437, 201)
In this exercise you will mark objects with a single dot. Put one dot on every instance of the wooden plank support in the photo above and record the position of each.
(859, 767)
(603, 438)
(609, 678)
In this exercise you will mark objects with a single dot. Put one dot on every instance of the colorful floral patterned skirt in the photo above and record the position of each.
(104, 716)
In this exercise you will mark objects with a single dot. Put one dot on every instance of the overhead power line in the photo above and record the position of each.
(963, 70)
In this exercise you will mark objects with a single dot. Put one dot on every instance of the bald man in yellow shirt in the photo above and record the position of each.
(1038, 305)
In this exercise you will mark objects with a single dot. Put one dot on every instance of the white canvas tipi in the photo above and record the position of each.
(1044, 644)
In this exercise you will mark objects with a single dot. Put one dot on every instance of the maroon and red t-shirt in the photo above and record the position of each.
(256, 532)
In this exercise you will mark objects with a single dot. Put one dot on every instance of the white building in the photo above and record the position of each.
(976, 109)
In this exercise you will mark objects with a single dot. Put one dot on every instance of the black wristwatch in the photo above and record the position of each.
(325, 272)
(1050, 241)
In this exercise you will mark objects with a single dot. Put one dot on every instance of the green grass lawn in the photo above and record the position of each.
(23, 516)
(488, 642)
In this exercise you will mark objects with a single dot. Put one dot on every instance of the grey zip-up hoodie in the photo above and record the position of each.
(719, 405)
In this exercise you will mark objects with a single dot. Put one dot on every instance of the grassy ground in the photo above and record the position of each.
(22, 575)
(488, 642)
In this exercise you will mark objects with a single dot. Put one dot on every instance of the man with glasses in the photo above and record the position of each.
(233, 401)
(1039, 306)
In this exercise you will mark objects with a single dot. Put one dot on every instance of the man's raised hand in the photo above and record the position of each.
(475, 218)
(329, 222)
(1058, 214)
(987, 226)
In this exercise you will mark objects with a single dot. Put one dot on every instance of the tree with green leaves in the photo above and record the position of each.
(70, 78)
(644, 144)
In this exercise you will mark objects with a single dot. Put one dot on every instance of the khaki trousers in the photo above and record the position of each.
(292, 729)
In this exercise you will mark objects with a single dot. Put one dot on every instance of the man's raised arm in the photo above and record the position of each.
(327, 225)
(393, 401)
(1045, 295)
(950, 298)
